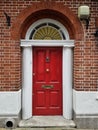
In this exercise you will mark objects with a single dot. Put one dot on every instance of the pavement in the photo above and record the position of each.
(46, 123)
(52, 128)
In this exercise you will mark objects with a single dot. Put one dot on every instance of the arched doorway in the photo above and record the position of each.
(39, 35)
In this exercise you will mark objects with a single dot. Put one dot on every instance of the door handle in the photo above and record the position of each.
(47, 86)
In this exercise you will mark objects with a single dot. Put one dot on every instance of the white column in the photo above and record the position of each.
(27, 83)
(67, 82)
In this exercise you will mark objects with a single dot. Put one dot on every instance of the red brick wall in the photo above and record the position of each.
(85, 51)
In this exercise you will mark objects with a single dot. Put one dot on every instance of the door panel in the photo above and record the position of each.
(54, 97)
(47, 81)
(53, 66)
(41, 99)
(40, 65)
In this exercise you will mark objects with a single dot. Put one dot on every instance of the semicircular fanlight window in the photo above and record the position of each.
(47, 31)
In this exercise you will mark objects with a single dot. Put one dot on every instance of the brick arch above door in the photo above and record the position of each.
(53, 10)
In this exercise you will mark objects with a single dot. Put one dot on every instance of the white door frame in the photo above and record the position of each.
(27, 74)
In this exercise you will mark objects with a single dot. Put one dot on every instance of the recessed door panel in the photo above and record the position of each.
(54, 98)
(40, 65)
(40, 99)
(53, 66)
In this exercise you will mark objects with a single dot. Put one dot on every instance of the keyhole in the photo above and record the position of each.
(47, 59)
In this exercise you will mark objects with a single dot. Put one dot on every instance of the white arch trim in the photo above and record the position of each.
(43, 21)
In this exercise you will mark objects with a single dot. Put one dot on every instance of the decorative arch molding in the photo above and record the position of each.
(53, 10)
(46, 23)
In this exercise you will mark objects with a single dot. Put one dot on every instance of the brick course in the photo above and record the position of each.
(86, 46)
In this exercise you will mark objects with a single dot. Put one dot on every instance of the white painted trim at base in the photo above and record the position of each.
(85, 103)
(10, 103)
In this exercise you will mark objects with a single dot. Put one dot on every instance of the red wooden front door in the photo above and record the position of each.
(47, 81)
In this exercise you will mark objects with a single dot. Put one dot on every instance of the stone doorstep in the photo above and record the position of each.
(47, 122)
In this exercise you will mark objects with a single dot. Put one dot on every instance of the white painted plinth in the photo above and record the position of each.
(10, 103)
(85, 103)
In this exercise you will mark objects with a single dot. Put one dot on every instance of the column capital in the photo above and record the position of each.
(69, 46)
